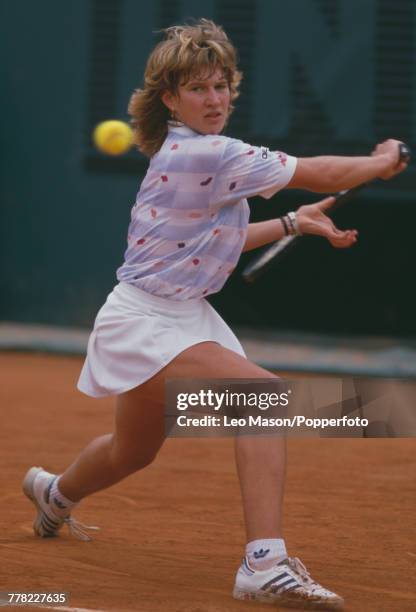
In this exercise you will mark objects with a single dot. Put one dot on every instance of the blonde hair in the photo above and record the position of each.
(188, 51)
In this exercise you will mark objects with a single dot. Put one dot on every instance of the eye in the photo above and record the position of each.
(222, 86)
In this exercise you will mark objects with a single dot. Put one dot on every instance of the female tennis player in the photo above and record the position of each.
(188, 227)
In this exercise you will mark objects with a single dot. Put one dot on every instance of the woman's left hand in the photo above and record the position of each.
(313, 220)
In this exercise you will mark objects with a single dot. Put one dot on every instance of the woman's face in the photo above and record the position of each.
(202, 103)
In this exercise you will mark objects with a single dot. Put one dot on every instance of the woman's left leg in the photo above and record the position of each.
(261, 467)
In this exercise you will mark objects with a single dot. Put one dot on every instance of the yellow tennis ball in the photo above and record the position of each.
(113, 137)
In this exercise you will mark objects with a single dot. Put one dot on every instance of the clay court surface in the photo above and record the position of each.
(172, 536)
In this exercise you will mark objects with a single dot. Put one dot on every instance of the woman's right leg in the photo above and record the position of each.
(137, 437)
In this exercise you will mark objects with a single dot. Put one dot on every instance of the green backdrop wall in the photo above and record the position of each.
(320, 76)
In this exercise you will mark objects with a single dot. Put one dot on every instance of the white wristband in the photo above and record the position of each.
(294, 223)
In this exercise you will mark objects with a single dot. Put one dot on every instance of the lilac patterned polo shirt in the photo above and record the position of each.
(189, 223)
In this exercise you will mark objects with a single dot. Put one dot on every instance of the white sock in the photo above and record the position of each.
(263, 554)
(61, 505)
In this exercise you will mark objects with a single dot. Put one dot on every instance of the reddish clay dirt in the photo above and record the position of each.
(172, 536)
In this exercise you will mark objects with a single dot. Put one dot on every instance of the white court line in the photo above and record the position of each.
(66, 609)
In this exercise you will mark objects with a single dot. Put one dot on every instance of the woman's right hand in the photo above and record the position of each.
(390, 149)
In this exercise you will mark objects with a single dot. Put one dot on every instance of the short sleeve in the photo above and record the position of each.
(246, 171)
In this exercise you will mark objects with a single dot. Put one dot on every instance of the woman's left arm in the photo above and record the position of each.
(262, 233)
(311, 219)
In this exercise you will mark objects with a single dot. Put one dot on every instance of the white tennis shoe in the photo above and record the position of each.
(37, 486)
(286, 584)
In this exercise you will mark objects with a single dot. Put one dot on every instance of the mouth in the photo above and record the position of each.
(213, 116)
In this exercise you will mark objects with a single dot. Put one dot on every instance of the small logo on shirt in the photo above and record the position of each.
(264, 152)
(259, 554)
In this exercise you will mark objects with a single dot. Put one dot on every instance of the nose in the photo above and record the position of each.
(212, 98)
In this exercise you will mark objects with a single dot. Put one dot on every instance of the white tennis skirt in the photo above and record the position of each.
(136, 334)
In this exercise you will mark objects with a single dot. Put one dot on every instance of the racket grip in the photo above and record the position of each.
(405, 153)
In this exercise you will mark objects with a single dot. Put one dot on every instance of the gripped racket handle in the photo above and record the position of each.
(405, 152)
(272, 254)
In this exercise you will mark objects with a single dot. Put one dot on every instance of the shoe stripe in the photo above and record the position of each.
(281, 587)
(247, 567)
(276, 579)
(51, 523)
(46, 528)
(48, 490)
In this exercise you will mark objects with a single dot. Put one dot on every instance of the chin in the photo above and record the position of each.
(205, 129)
(214, 129)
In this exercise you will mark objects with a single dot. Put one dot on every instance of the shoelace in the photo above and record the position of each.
(296, 564)
(79, 530)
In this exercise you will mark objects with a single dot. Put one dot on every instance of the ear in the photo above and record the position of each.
(168, 100)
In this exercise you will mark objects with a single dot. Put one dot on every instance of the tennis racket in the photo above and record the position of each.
(273, 254)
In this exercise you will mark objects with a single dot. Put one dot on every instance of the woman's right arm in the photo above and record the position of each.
(325, 174)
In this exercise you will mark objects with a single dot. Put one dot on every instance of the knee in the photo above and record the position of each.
(138, 462)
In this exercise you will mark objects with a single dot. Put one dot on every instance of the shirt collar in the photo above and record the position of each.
(178, 127)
